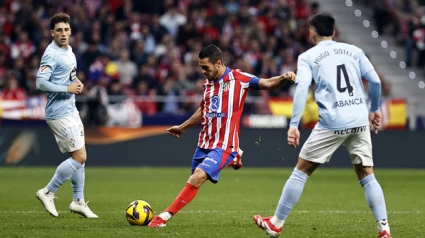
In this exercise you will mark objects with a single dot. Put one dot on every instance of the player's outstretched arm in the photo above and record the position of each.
(194, 120)
(276, 82)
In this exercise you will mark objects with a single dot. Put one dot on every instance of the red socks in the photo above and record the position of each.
(185, 196)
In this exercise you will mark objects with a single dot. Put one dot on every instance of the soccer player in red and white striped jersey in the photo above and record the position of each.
(220, 111)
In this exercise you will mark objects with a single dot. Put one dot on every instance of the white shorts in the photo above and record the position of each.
(69, 132)
(322, 143)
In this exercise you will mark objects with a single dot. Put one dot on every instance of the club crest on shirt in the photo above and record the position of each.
(73, 74)
(226, 87)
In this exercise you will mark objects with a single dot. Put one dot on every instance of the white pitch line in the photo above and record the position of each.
(234, 211)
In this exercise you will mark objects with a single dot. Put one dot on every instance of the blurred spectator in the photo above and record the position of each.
(144, 76)
(139, 54)
(127, 69)
(148, 105)
(12, 91)
(89, 56)
(23, 47)
(172, 20)
(103, 66)
(170, 104)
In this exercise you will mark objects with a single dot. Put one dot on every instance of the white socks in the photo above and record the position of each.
(165, 215)
(79, 201)
(383, 226)
(48, 193)
(277, 222)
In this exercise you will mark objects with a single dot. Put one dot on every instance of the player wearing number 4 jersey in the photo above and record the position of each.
(337, 70)
(57, 77)
(220, 110)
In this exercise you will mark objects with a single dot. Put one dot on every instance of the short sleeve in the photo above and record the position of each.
(249, 81)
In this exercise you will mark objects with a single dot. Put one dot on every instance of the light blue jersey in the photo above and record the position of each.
(57, 71)
(337, 70)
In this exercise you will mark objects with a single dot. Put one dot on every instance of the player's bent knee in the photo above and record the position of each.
(306, 166)
(363, 171)
(198, 178)
(80, 155)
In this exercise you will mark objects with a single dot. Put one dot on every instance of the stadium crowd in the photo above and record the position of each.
(405, 20)
(150, 48)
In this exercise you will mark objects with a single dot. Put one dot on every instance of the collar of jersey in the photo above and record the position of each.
(326, 42)
(57, 47)
(222, 76)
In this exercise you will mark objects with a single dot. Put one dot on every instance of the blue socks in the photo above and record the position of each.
(374, 197)
(77, 182)
(63, 172)
(294, 187)
(291, 194)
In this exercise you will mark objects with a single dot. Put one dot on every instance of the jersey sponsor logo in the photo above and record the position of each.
(215, 114)
(345, 103)
(349, 131)
(215, 103)
(42, 68)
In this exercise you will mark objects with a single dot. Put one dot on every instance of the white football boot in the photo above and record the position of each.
(47, 201)
(83, 210)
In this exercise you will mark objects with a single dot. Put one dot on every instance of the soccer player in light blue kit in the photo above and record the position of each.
(57, 77)
(344, 118)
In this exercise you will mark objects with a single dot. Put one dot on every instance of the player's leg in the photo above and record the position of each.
(186, 195)
(206, 164)
(65, 170)
(317, 150)
(78, 204)
(359, 146)
(291, 193)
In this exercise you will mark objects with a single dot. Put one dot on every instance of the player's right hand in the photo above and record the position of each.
(293, 137)
(375, 119)
(175, 131)
(290, 76)
(75, 88)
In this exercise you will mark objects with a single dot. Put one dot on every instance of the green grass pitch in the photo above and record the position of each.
(333, 203)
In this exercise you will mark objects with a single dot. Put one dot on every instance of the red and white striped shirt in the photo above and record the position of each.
(222, 107)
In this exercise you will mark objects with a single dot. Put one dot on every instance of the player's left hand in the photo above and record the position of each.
(375, 119)
(289, 76)
(80, 84)
(293, 137)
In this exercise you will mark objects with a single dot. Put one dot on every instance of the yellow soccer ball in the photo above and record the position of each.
(139, 213)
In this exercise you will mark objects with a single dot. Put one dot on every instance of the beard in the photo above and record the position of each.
(214, 74)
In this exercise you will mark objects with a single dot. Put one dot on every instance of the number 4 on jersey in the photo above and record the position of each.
(339, 69)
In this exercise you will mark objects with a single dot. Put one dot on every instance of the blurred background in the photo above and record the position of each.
(139, 63)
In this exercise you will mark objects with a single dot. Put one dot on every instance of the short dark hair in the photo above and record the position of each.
(212, 52)
(323, 23)
(59, 17)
